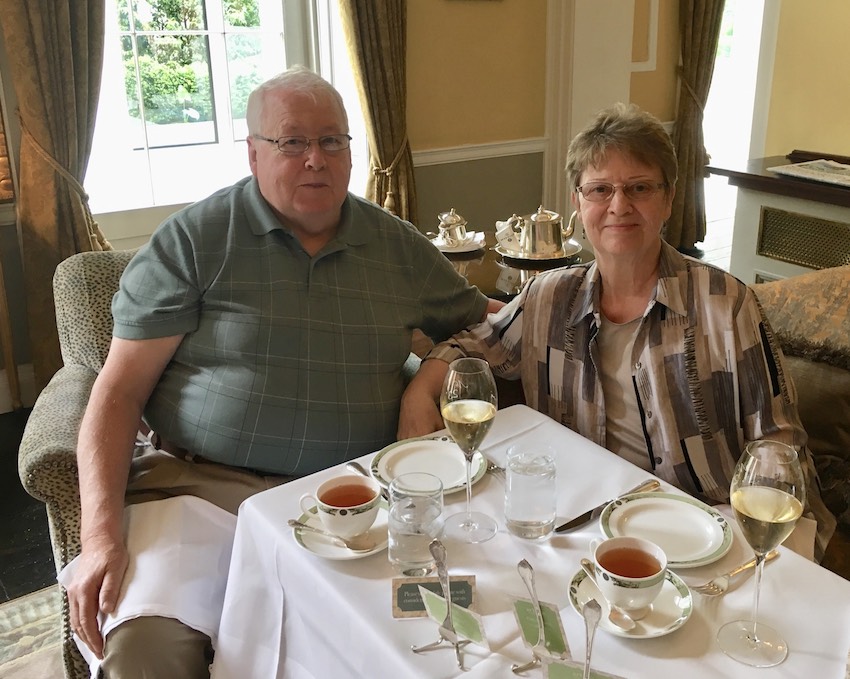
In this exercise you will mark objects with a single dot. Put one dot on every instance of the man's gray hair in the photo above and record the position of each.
(298, 79)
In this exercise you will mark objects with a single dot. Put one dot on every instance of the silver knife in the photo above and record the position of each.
(581, 519)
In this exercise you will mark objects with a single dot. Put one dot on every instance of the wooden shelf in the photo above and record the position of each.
(756, 177)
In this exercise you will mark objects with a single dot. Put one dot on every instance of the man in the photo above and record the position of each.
(261, 332)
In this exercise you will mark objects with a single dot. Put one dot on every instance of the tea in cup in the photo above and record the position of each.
(630, 572)
(346, 505)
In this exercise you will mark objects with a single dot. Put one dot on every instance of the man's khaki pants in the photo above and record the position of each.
(156, 647)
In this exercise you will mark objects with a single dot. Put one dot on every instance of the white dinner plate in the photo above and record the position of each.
(474, 241)
(438, 455)
(689, 531)
(328, 549)
(670, 610)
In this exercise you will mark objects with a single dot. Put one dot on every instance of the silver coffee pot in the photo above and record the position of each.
(541, 234)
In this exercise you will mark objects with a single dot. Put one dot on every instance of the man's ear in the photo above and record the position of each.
(252, 155)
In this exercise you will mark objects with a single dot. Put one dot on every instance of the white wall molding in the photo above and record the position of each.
(560, 21)
(649, 64)
(460, 154)
(764, 78)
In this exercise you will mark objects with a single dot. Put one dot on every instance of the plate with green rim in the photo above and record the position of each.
(438, 455)
(689, 531)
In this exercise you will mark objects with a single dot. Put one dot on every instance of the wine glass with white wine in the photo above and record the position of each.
(768, 493)
(468, 404)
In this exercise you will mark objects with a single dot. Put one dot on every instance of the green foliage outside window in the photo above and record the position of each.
(174, 69)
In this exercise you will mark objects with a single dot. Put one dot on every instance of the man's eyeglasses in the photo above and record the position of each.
(602, 192)
(295, 146)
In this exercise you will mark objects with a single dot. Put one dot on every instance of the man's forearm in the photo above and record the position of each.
(428, 380)
(104, 452)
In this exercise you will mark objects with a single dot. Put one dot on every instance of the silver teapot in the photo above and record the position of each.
(452, 228)
(541, 235)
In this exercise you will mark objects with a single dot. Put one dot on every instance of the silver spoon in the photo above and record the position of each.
(526, 572)
(615, 614)
(359, 543)
(591, 612)
(358, 468)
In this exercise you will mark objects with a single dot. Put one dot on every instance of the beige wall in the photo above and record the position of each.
(655, 91)
(475, 71)
(810, 97)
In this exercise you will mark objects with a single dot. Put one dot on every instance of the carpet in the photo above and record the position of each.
(30, 636)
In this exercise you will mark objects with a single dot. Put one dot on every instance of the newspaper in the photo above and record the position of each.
(828, 171)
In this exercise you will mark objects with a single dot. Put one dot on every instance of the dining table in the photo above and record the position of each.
(291, 612)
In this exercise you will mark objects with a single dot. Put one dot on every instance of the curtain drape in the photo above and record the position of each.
(55, 49)
(376, 35)
(699, 28)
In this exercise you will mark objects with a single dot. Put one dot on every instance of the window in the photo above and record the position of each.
(177, 73)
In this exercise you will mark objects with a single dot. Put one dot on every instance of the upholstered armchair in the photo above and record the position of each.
(83, 286)
(810, 316)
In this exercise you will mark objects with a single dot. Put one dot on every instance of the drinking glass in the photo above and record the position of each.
(530, 491)
(415, 519)
(768, 493)
(468, 405)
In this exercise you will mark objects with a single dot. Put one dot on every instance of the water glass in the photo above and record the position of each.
(530, 492)
(415, 519)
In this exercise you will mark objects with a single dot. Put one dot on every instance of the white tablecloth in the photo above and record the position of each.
(289, 613)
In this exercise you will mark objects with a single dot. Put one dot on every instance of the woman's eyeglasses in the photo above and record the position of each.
(601, 192)
(295, 146)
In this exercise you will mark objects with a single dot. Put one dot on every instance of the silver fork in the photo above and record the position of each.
(719, 584)
(495, 469)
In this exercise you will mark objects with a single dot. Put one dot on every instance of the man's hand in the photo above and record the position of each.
(493, 306)
(95, 587)
(419, 414)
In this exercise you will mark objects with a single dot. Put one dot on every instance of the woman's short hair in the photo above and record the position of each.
(628, 130)
(299, 80)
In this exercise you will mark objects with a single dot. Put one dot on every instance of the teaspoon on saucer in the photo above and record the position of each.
(359, 543)
(615, 614)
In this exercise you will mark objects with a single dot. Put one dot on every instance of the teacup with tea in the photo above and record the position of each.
(630, 572)
(346, 505)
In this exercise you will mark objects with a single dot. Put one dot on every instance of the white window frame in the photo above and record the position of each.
(312, 36)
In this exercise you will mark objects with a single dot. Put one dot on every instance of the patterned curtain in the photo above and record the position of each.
(375, 33)
(699, 29)
(55, 49)
(7, 195)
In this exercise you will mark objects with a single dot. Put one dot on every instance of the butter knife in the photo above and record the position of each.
(590, 514)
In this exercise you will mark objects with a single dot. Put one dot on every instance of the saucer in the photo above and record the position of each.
(670, 610)
(327, 549)
(474, 241)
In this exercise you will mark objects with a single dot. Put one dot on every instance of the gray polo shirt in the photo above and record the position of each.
(290, 363)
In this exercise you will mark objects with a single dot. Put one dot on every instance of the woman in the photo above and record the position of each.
(662, 359)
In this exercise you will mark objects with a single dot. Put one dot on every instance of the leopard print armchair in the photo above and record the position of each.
(83, 286)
